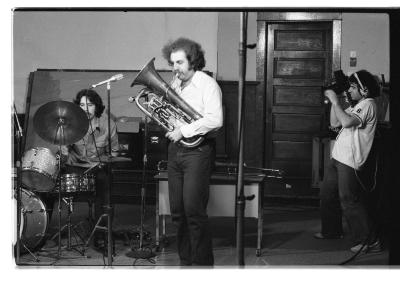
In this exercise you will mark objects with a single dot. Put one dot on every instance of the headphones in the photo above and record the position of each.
(363, 90)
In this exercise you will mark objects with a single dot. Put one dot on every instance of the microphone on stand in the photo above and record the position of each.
(112, 79)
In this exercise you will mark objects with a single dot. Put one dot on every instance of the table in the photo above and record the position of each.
(221, 201)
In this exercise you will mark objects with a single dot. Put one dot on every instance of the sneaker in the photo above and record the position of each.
(371, 248)
(319, 235)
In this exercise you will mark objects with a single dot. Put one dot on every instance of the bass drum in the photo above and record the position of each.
(34, 221)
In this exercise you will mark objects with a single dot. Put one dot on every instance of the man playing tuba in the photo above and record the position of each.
(189, 168)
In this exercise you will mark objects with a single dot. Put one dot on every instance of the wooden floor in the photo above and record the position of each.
(287, 241)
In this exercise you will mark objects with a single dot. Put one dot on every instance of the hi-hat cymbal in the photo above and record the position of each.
(60, 122)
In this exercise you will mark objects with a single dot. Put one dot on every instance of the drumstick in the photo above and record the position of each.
(91, 168)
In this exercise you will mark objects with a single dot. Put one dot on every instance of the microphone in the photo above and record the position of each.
(112, 79)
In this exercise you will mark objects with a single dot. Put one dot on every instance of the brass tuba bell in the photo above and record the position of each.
(163, 105)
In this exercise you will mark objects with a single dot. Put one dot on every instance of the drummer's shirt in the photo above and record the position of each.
(95, 143)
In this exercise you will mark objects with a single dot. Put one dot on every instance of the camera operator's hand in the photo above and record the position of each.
(331, 95)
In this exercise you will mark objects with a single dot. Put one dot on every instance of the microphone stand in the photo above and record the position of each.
(18, 175)
(19, 243)
(108, 207)
(19, 136)
(241, 198)
(109, 171)
(142, 253)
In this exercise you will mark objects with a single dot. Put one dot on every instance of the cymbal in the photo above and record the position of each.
(60, 122)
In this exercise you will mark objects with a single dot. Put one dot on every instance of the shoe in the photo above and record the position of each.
(319, 235)
(371, 248)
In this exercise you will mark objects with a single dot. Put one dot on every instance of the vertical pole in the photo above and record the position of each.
(143, 189)
(109, 171)
(241, 200)
(17, 188)
(109, 117)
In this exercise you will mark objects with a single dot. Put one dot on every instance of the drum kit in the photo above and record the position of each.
(60, 123)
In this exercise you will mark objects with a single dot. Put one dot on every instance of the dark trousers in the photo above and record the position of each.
(341, 193)
(189, 171)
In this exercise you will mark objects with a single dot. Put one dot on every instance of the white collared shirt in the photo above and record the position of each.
(205, 96)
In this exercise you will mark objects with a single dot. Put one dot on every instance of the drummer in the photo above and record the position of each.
(88, 151)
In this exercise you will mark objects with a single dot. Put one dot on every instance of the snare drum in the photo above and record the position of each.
(34, 220)
(70, 183)
(39, 169)
(77, 183)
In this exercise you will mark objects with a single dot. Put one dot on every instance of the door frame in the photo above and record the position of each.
(266, 18)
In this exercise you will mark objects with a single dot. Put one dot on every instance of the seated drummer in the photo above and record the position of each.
(87, 152)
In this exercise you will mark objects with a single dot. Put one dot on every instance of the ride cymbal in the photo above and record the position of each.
(60, 122)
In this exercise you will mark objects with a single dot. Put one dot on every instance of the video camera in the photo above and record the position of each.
(341, 83)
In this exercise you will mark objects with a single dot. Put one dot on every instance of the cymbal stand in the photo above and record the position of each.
(60, 131)
(19, 243)
(141, 252)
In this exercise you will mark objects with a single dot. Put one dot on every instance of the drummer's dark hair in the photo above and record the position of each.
(93, 97)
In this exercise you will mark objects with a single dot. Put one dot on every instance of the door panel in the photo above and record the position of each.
(298, 40)
(306, 68)
(298, 62)
(297, 96)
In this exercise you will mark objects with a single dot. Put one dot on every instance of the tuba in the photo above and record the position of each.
(163, 105)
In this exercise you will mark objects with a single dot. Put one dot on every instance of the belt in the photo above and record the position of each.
(207, 141)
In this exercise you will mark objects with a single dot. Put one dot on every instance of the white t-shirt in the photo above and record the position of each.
(353, 144)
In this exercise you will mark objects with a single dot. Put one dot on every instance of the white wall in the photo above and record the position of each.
(367, 34)
(228, 45)
(127, 40)
(102, 40)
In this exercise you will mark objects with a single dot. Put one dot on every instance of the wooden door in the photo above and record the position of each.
(298, 63)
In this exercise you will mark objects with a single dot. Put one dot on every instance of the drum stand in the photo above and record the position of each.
(71, 229)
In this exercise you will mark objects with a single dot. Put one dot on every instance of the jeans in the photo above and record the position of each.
(189, 171)
(340, 194)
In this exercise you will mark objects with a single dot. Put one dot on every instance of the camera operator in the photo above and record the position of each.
(342, 190)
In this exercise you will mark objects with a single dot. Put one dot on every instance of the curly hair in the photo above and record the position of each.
(369, 81)
(93, 97)
(194, 52)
